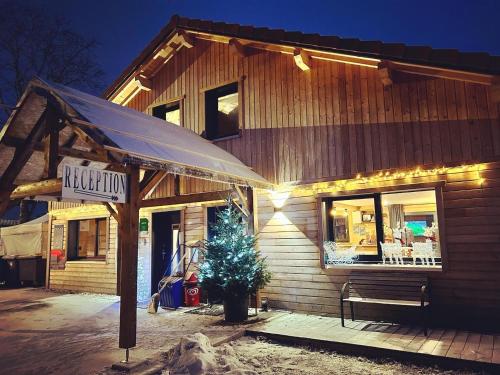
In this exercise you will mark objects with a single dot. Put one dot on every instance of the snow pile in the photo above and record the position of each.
(195, 355)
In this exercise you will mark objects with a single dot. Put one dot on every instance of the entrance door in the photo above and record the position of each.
(165, 243)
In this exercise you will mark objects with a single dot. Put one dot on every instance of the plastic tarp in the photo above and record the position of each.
(23, 239)
(148, 137)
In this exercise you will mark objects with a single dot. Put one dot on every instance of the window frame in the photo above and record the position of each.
(378, 224)
(206, 224)
(372, 192)
(177, 101)
(96, 257)
(240, 91)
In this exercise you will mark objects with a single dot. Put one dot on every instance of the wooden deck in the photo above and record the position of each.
(442, 346)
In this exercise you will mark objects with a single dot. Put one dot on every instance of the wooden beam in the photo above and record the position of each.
(111, 211)
(241, 196)
(185, 39)
(52, 152)
(63, 150)
(251, 216)
(149, 183)
(236, 47)
(187, 198)
(45, 187)
(85, 155)
(243, 205)
(385, 73)
(429, 71)
(21, 157)
(16, 142)
(129, 233)
(143, 83)
(241, 209)
(370, 62)
(86, 138)
(302, 59)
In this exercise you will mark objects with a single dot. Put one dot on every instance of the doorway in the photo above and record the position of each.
(165, 254)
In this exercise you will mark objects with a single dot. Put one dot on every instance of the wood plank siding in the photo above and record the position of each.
(468, 287)
(329, 123)
(335, 120)
(95, 276)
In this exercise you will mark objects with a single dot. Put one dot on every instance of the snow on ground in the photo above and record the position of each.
(45, 333)
(248, 356)
(271, 358)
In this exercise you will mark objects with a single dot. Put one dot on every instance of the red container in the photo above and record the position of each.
(191, 291)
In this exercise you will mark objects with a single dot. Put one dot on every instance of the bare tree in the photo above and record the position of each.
(34, 42)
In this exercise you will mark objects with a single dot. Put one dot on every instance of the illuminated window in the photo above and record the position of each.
(222, 112)
(87, 239)
(395, 229)
(170, 112)
(410, 218)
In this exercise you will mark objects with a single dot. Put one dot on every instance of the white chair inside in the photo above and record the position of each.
(338, 256)
(392, 251)
(423, 251)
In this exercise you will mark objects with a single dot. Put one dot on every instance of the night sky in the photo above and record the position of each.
(124, 27)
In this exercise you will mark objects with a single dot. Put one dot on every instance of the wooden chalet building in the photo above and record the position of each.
(364, 145)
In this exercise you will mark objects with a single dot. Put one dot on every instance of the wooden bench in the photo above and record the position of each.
(387, 288)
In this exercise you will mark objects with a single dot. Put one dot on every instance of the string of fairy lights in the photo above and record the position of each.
(407, 176)
(280, 195)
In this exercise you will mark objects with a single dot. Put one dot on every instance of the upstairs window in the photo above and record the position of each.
(222, 112)
(170, 112)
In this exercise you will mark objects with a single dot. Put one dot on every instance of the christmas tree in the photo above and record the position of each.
(232, 267)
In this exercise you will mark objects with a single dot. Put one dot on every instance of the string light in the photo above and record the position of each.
(361, 181)
(418, 172)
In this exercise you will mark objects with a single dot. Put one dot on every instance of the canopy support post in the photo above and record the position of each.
(128, 232)
(250, 209)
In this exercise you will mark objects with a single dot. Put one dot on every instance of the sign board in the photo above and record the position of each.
(91, 184)
(143, 224)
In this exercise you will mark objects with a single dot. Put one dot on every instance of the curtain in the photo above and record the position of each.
(396, 216)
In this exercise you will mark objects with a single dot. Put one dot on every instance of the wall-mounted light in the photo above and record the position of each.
(278, 199)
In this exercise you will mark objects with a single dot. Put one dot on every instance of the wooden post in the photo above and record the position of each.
(128, 232)
(250, 208)
(52, 150)
(47, 255)
(251, 230)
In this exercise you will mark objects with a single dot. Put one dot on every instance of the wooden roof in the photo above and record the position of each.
(104, 133)
(481, 63)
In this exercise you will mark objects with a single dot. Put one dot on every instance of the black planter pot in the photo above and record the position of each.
(235, 309)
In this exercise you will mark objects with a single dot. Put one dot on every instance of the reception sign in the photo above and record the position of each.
(91, 184)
